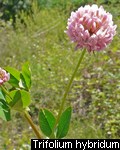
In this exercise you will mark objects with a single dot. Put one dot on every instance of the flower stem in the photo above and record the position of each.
(5, 91)
(34, 127)
(67, 90)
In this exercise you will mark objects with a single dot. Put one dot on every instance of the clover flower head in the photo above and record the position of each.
(91, 27)
(4, 76)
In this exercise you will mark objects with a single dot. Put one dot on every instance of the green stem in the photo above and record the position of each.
(34, 127)
(5, 91)
(67, 90)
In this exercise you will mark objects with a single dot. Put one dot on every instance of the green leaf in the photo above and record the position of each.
(22, 82)
(64, 122)
(15, 98)
(4, 111)
(25, 76)
(14, 76)
(19, 99)
(25, 96)
(1, 95)
(14, 72)
(46, 121)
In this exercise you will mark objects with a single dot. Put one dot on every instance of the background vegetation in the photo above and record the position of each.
(34, 31)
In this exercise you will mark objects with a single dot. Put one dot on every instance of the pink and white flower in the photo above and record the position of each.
(4, 76)
(91, 27)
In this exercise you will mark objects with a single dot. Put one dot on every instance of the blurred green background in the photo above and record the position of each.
(33, 30)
